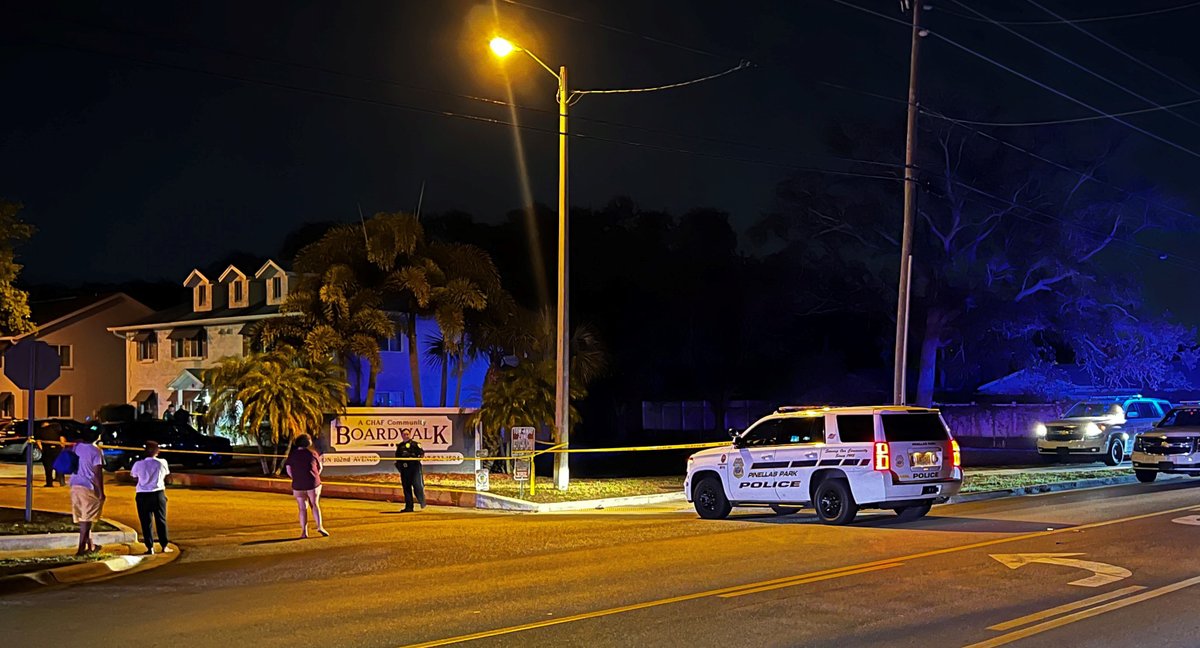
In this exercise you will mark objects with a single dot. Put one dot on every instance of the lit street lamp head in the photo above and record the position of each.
(501, 47)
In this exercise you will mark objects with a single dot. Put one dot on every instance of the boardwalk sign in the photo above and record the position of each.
(376, 432)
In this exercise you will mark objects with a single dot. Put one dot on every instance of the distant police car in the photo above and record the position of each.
(1100, 427)
(837, 460)
(1173, 446)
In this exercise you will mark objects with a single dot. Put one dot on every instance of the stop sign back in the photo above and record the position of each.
(30, 364)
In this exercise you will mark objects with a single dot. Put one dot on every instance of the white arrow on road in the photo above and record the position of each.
(1102, 573)
(1193, 520)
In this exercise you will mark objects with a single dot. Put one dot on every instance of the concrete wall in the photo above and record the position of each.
(97, 357)
(997, 425)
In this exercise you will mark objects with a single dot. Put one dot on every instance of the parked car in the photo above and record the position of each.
(170, 435)
(1172, 447)
(12, 435)
(1099, 428)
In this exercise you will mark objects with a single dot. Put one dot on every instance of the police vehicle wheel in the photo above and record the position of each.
(834, 502)
(710, 500)
(1115, 454)
(784, 510)
(1146, 476)
(909, 513)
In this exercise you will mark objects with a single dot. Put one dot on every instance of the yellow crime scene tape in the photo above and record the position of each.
(556, 449)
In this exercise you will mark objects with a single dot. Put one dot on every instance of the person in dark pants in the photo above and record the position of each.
(51, 439)
(408, 462)
(151, 496)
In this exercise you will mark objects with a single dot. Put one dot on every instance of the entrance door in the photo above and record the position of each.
(752, 460)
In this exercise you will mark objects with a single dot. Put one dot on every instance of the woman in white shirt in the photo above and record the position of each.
(151, 496)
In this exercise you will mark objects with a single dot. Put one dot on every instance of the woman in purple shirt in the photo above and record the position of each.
(304, 467)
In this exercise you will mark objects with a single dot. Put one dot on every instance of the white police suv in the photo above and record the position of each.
(835, 459)
(1171, 446)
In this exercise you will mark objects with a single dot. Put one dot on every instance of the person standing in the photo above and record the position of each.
(51, 439)
(87, 490)
(408, 462)
(303, 465)
(169, 415)
(151, 496)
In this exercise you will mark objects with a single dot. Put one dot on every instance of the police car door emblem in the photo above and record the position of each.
(737, 467)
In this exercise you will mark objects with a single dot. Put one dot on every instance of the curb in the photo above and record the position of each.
(1039, 489)
(86, 572)
(437, 496)
(43, 541)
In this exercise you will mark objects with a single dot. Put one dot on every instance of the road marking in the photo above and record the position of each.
(1193, 520)
(716, 592)
(804, 581)
(1085, 614)
(1102, 573)
(1062, 609)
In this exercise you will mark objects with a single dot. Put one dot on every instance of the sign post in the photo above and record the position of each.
(522, 445)
(31, 365)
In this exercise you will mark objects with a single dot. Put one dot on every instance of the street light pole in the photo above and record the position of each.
(900, 378)
(562, 390)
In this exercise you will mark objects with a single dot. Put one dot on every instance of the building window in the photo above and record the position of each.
(394, 343)
(147, 349)
(202, 295)
(237, 292)
(64, 355)
(276, 288)
(195, 346)
(58, 406)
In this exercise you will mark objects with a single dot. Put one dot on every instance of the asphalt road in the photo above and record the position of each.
(969, 575)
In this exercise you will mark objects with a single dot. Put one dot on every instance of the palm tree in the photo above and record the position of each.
(332, 312)
(282, 393)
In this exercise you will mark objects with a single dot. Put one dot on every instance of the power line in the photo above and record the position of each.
(488, 120)
(1122, 52)
(1075, 64)
(1026, 77)
(1074, 120)
(670, 86)
(1072, 21)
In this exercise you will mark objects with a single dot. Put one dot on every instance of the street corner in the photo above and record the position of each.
(130, 558)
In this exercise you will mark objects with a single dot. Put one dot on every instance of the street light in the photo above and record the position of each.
(502, 47)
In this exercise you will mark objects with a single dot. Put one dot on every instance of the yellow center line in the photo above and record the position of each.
(1063, 609)
(1085, 614)
(805, 581)
(717, 592)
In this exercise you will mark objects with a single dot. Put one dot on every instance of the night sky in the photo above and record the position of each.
(147, 138)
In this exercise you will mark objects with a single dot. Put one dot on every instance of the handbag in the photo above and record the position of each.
(67, 462)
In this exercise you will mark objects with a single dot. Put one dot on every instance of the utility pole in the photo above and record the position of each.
(899, 384)
(562, 388)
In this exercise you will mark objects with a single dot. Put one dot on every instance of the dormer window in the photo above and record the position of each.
(239, 287)
(202, 296)
(274, 282)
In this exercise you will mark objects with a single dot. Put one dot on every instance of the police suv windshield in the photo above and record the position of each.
(1181, 418)
(1093, 409)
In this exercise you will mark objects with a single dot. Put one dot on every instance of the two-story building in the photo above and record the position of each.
(92, 362)
(166, 352)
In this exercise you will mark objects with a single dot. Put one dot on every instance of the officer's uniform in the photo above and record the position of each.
(410, 472)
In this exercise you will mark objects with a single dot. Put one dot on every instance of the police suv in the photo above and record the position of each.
(1172, 446)
(1100, 427)
(835, 459)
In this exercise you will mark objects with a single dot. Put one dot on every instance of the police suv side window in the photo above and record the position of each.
(809, 429)
(856, 428)
(766, 433)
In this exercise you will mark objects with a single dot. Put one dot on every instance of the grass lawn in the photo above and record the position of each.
(581, 489)
(12, 522)
(588, 489)
(981, 483)
(10, 566)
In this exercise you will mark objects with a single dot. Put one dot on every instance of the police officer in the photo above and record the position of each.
(408, 462)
